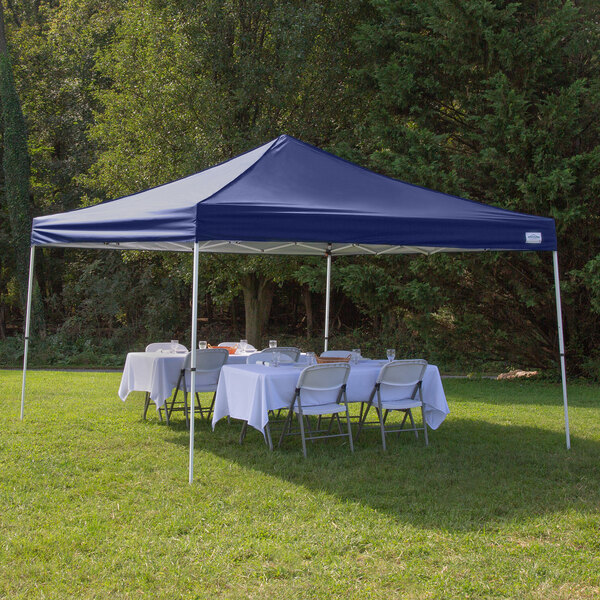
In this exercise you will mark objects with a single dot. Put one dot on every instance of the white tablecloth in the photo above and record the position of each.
(238, 359)
(157, 373)
(249, 392)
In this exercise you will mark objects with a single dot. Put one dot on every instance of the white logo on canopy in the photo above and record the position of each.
(533, 237)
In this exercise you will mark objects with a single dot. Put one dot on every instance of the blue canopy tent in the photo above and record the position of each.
(288, 197)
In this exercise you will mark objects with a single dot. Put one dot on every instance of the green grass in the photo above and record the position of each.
(95, 502)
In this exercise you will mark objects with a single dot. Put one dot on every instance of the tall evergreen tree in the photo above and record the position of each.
(496, 100)
(16, 174)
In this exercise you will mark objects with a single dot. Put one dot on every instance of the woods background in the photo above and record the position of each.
(496, 101)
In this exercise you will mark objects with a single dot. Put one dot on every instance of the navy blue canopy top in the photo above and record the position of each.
(288, 197)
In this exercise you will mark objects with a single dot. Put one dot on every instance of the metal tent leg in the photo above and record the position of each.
(327, 297)
(27, 327)
(193, 361)
(561, 346)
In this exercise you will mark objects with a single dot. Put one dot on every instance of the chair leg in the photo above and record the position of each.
(349, 429)
(212, 406)
(287, 423)
(180, 385)
(268, 437)
(363, 418)
(382, 426)
(309, 429)
(288, 420)
(337, 416)
(301, 420)
(200, 408)
(243, 432)
(168, 410)
(205, 411)
(412, 422)
(424, 425)
(402, 424)
(330, 424)
(146, 404)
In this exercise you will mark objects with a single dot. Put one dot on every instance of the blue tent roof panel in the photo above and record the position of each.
(289, 191)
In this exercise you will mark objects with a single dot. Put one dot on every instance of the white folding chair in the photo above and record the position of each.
(397, 387)
(208, 369)
(321, 390)
(285, 355)
(155, 347)
(293, 353)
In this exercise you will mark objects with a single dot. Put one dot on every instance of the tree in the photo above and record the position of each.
(495, 101)
(194, 84)
(54, 45)
(16, 176)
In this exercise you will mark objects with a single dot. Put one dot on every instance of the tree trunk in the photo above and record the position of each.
(209, 307)
(233, 314)
(258, 298)
(16, 177)
(306, 296)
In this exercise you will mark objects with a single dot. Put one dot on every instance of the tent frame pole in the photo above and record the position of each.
(327, 297)
(193, 358)
(27, 326)
(561, 346)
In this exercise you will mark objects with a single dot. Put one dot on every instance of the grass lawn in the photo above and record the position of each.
(95, 502)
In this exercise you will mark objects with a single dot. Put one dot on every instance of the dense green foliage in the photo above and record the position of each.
(15, 163)
(496, 101)
(96, 503)
(492, 100)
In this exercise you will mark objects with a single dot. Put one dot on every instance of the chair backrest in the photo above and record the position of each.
(208, 366)
(211, 359)
(267, 356)
(402, 375)
(322, 382)
(156, 346)
(293, 353)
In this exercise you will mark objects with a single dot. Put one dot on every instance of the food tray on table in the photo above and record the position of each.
(325, 360)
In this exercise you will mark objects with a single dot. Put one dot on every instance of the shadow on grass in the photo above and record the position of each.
(474, 474)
